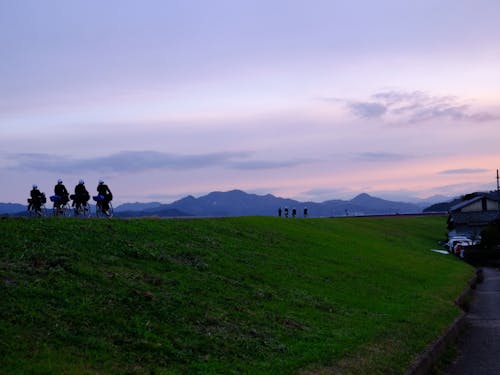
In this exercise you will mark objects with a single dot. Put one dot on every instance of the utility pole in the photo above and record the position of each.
(498, 196)
(498, 184)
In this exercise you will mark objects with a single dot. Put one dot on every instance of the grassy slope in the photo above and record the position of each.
(236, 295)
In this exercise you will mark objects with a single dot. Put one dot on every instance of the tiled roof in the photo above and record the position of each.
(460, 205)
(493, 195)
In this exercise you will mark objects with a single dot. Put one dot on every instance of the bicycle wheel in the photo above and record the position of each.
(98, 210)
(33, 212)
(110, 211)
(85, 210)
(102, 213)
(63, 210)
(66, 210)
(78, 210)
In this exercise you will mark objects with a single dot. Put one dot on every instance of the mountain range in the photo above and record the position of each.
(240, 203)
(11, 208)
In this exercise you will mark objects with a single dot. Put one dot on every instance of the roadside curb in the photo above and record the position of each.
(431, 355)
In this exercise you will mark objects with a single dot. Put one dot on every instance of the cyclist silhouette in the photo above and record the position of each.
(36, 200)
(81, 195)
(61, 192)
(105, 195)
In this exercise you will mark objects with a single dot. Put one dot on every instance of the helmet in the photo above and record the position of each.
(101, 182)
(59, 181)
(81, 182)
(35, 186)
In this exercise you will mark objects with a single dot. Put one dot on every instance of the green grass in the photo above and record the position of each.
(237, 295)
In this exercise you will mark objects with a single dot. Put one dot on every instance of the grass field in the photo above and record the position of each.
(223, 296)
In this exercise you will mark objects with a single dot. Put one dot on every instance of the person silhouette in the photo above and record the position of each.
(61, 191)
(107, 196)
(36, 200)
(81, 196)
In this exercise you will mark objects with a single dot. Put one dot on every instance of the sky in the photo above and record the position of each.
(311, 100)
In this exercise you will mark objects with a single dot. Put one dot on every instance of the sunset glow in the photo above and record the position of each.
(310, 100)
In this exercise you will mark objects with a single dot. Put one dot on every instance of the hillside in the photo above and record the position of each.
(235, 295)
(12, 208)
(442, 206)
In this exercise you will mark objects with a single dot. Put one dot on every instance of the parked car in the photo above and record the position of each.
(463, 241)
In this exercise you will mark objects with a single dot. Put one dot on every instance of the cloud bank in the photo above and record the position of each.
(381, 156)
(464, 171)
(417, 107)
(368, 109)
(140, 161)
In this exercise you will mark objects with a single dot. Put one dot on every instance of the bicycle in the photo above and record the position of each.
(34, 211)
(60, 208)
(99, 211)
(80, 205)
(82, 209)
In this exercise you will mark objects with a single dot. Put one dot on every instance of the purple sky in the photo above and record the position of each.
(312, 100)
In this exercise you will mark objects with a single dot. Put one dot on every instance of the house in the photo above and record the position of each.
(470, 216)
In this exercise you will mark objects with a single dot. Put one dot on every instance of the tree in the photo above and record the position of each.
(490, 236)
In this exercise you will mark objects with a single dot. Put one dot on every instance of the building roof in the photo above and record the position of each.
(491, 196)
(494, 195)
(460, 205)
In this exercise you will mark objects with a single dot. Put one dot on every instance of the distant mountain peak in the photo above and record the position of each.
(362, 196)
(237, 191)
(187, 198)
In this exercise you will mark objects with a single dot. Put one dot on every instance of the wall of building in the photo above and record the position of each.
(477, 206)
(473, 207)
(492, 205)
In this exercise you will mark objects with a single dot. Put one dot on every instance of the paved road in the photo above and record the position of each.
(479, 346)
